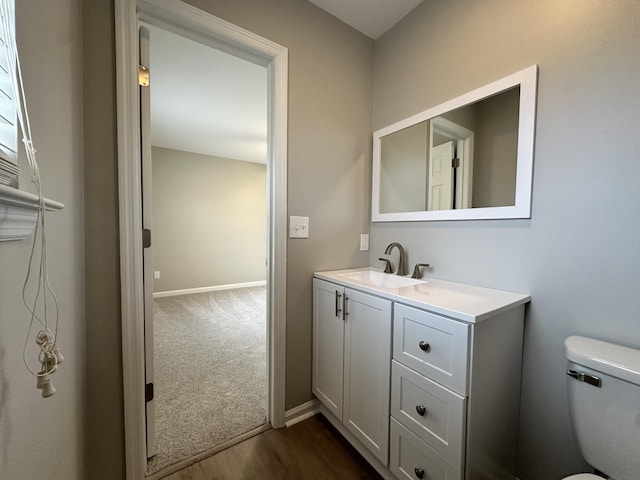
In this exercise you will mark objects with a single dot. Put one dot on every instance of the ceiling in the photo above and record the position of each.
(371, 17)
(206, 101)
(213, 103)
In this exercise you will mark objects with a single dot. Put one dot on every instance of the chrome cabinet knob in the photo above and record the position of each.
(421, 410)
(419, 472)
(424, 346)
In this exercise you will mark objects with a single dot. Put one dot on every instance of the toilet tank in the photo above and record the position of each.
(605, 418)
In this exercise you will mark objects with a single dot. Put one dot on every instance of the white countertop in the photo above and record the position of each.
(468, 303)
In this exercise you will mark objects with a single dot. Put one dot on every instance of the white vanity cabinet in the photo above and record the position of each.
(455, 395)
(351, 369)
(425, 374)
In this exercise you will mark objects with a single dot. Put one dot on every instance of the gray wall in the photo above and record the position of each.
(404, 159)
(330, 112)
(496, 150)
(104, 390)
(209, 220)
(578, 255)
(41, 438)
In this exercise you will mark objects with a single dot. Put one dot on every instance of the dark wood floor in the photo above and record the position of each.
(309, 450)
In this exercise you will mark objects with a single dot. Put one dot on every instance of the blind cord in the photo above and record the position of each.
(49, 354)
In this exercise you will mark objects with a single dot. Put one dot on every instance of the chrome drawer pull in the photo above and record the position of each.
(338, 309)
(419, 472)
(421, 410)
(345, 304)
(424, 346)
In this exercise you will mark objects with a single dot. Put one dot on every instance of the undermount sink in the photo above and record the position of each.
(385, 280)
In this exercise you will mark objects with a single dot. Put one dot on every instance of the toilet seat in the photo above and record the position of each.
(583, 476)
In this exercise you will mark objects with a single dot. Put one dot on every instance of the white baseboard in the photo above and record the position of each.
(301, 412)
(187, 291)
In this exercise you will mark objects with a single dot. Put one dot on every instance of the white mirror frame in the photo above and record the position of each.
(527, 80)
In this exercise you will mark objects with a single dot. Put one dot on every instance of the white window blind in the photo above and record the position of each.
(8, 116)
(9, 169)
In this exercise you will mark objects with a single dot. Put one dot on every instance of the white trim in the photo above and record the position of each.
(20, 198)
(301, 412)
(19, 212)
(527, 79)
(131, 282)
(275, 57)
(277, 251)
(213, 288)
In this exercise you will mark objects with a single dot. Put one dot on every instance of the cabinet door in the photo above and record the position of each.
(367, 370)
(328, 345)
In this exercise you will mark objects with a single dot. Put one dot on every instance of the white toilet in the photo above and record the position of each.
(604, 400)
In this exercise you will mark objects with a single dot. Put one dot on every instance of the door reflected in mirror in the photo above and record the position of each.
(465, 158)
(472, 157)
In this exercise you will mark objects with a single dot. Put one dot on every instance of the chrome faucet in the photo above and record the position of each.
(401, 262)
(416, 270)
(387, 265)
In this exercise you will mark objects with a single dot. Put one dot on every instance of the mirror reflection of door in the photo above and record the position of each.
(414, 174)
(458, 174)
(441, 177)
(408, 175)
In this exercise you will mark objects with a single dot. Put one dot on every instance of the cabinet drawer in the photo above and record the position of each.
(434, 346)
(435, 414)
(411, 458)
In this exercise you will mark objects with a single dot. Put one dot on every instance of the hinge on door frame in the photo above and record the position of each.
(144, 80)
(146, 238)
(455, 162)
(148, 392)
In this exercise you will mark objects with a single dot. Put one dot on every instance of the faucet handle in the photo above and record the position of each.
(416, 270)
(387, 266)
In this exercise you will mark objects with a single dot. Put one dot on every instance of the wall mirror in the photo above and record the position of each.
(468, 158)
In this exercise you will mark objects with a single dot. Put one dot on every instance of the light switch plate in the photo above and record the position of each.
(298, 227)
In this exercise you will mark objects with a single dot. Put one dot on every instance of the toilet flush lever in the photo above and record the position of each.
(585, 377)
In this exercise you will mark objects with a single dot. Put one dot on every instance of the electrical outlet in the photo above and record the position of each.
(156, 274)
(364, 242)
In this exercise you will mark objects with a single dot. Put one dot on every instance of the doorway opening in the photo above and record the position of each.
(204, 186)
(190, 22)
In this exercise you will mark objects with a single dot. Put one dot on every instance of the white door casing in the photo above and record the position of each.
(183, 17)
(463, 139)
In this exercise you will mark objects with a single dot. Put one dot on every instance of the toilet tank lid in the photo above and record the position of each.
(608, 358)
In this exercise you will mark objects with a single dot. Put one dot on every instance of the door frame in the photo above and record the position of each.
(175, 14)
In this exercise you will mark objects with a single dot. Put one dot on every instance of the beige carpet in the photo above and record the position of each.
(210, 378)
